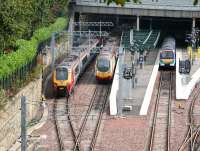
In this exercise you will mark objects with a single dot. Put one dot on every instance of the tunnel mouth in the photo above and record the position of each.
(168, 26)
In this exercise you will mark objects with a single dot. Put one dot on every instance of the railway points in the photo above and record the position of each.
(133, 98)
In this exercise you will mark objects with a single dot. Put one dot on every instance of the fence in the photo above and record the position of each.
(21, 74)
(18, 75)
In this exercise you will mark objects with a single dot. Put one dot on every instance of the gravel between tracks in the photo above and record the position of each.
(48, 138)
(129, 133)
(116, 134)
(180, 109)
(122, 134)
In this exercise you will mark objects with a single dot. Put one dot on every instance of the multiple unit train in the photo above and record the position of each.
(168, 53)
(65, 75)
(106, 61)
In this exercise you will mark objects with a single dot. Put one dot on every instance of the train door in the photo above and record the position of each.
(77, 71)
(113, 64)
(84, 61)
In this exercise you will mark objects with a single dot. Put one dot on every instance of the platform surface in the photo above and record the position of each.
(134, 96)
(185, 83)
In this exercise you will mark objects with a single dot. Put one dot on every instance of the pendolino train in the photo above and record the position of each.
(106, 61)
(65, 75)
(168, 54)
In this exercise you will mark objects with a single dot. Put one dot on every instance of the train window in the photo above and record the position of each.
(76, 70)
(167, 55)
(61, 74)
(103, 64)
(84, 60)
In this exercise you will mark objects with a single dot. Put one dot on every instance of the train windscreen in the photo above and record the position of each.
(61, 74)
(103, 64)
(167, 55)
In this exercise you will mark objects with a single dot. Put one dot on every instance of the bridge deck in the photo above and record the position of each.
(162, 8)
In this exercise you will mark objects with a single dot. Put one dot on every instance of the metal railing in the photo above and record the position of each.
(19, 75)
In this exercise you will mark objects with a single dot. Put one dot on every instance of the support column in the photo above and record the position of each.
(193, 22)
(138, 23)
(151, 24)
(117, 20)
(23, 124)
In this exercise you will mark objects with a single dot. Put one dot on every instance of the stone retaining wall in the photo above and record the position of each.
(10, 117)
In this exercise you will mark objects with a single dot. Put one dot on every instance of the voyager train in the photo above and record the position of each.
(106, 61)
(168, 54)
(65, 75)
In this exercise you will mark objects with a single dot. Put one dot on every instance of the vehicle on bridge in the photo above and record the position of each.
(106, 61)
(168, 54)
(65, 75)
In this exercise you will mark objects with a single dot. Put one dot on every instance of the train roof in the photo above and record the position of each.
(105, 56)
(168, 43)
(109, 49)
(169, 39)
(68, 61)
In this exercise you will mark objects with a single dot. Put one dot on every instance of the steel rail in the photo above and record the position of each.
(85, 119)
(154, 115)
(56, 119)
(168, 132)
(190, 133)
(94, 138)
(61, 145)
(169, 112)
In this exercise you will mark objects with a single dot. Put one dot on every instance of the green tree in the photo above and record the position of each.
(15, 18)
(41, 15)
(195, 2)
(20, 18)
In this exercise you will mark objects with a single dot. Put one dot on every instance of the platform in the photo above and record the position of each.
(135, 96)
(135, 73)
(185, 83)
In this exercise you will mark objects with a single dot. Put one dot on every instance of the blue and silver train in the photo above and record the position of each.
(168, 53)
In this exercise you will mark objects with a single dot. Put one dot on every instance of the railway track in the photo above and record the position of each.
(160, 130)
(68, 139)
(65, 131)
(92, 119)
(77, 128)
(64, 128)
(190, 141)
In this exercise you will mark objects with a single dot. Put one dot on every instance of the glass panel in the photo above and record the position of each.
(103, 64)
(167, 55)
(61, 74)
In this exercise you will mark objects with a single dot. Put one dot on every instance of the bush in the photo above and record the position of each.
(26, 50)
(44, 33)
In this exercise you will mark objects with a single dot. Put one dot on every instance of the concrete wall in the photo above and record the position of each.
(10, 117)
